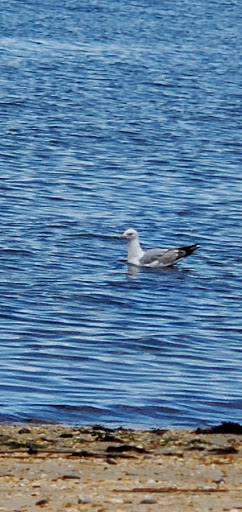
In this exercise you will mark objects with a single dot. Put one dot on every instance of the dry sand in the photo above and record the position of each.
(93, 469)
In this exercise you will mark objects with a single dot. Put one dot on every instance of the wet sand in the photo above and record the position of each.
(94, 469)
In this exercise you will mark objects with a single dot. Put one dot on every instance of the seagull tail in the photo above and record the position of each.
(187, 250)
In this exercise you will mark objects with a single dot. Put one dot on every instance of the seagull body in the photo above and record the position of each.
(153, 258)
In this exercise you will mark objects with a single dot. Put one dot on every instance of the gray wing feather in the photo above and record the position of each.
(161, 257)
(152, 256)
(171, 256)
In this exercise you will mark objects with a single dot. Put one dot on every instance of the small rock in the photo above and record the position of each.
(218, 481)
(42, 502)
(32, 448)
(66, 435)
(83, 500)
(125, 448)
(71, 477)
(109, 460)
(24, 430)
(227, 427)
(223, 451)
(148, 501)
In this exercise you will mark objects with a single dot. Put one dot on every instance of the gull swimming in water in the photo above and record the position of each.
(153, 258)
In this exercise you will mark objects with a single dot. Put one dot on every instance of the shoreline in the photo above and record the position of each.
(61, 468)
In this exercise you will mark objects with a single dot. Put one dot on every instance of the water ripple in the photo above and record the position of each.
(120, 115)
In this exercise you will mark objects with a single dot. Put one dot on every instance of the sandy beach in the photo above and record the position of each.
(94, 469)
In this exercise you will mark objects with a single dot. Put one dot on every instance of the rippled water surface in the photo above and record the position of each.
(118, 114)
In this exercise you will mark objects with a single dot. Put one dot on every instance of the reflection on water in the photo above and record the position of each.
(133, 270)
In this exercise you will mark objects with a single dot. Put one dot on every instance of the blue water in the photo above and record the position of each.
(118, 114)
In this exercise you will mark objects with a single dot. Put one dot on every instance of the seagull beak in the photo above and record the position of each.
(121, 237)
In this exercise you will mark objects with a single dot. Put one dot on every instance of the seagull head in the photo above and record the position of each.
(129, 234)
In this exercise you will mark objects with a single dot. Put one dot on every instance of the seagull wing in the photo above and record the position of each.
(171, 256)
(166, 257)
(152, 258)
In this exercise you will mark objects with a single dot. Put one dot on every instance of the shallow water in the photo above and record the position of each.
(115, 115)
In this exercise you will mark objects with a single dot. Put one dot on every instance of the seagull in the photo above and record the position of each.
(153, 258)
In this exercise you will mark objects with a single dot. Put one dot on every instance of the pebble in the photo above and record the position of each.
(109, 460)
(148, 501)
(24, 430)
(41, 502)
(71, 477)
(83, 500)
